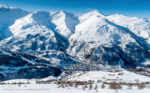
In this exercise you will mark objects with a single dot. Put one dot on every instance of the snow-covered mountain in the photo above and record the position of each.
(7, 18)
(99, 39)
(73, 42)
(139, 26)
(65, 22)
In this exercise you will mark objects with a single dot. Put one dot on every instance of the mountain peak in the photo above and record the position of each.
(60, 12)
(96, 12)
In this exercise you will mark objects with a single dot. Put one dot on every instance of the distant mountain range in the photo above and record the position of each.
(41, 44)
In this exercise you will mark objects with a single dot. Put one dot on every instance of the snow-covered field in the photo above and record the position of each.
(120, 76)
(81, 82)
(53, 88)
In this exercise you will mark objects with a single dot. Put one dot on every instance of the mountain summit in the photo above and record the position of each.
(67, 42)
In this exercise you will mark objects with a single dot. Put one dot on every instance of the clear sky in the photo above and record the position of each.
(140, 8)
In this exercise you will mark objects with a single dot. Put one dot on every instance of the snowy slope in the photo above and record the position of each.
(98, 39)
(65, 22)
(44, 25)
(7, 17)
(35, 34)
(35, 28)
(120, 76)
(93, 27)
(139, 26)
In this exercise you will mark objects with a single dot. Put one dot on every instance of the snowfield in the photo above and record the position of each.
(52, 88)
(97, 78)
(120, 76)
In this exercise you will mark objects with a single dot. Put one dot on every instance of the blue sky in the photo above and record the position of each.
(140, 8)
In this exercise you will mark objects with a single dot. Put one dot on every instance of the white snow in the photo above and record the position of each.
(139, 26)
(94, 27)
(53, 88)
(65, 22)
(7, 18)
(121, 76)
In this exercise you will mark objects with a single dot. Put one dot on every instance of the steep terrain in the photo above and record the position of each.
(98, 40)
(7, 18)
(37, 42)
(15, 65)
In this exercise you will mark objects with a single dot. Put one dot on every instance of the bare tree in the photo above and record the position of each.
(90, 87)
(103, 86)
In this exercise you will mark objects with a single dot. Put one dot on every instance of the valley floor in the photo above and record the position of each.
(53, 88)
(80, 82)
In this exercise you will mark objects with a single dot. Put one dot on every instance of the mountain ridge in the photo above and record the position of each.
(85, 42)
